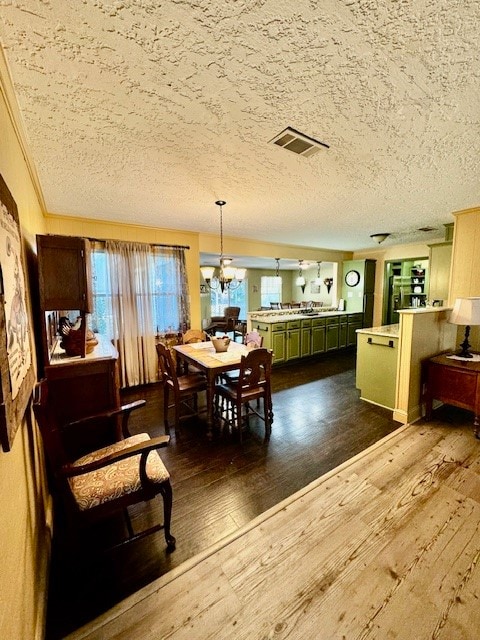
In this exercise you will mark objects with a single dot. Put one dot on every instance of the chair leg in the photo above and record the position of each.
(177, 413)
(238, 411)
(268, 416)
(165, 409)
(166, 491)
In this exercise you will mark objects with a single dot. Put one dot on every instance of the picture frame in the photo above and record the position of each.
(314, 288)
(17, 376)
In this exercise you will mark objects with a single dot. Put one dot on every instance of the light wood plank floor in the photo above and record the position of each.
(385, 546)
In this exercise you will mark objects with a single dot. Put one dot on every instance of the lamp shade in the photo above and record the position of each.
(207, 272)
(466, 311)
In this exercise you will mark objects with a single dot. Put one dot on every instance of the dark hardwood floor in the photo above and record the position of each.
(218, 486)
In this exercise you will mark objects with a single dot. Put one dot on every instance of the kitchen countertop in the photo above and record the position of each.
(273, 316)
(387, 330)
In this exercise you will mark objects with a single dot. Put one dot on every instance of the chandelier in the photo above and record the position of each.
(226, 277)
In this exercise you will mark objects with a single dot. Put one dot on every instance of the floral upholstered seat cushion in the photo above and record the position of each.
(117, 479)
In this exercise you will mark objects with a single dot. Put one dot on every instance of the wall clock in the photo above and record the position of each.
(352, 278)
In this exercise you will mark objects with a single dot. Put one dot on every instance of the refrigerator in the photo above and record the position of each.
(398, 296)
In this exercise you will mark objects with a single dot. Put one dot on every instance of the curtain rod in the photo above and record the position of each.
(151, 244)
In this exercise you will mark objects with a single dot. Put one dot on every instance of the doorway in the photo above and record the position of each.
(405, 287)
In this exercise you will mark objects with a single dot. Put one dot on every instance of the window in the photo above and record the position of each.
(169, 306)
(270, 290)
(236, 297)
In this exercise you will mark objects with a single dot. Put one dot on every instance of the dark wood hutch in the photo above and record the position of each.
(78, 385)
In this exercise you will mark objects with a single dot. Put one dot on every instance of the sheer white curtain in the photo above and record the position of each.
(131, 283)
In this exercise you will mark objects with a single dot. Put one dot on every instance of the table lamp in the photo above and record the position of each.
(466, 311)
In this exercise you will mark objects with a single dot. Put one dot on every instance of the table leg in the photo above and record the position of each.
(476, 426)
(210, 402)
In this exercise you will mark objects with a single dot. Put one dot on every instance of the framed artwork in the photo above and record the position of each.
(314, 288)
(17, 376)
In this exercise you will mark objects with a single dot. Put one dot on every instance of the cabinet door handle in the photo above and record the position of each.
(381, 344)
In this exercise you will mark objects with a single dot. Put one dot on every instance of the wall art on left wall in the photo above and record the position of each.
(16, 361)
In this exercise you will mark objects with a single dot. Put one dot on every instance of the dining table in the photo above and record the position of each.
(202, 356)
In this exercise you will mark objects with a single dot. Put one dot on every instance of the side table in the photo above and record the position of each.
(454, 382)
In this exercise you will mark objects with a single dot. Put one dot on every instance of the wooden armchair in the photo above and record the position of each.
(107, 480)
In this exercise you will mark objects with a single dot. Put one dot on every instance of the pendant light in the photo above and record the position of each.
(227, 277)
(300, 281)
(318, 280)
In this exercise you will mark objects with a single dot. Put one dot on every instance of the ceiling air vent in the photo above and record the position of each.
(298, 142)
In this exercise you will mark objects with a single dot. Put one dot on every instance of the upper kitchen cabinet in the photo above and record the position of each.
(465, 278)
(358, 288)
(440, 263)
(64, 273)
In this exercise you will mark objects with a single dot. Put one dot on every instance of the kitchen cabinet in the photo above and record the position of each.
(354, 322)
(278, 346)
(306, 338)
(274, 338)
(332, 330)
(343, 333)
(293, 340)
(440, 261)
(318, 335)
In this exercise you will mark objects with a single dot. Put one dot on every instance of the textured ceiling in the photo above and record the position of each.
(146, 111)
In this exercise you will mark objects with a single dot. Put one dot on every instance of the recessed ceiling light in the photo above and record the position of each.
(427, 229)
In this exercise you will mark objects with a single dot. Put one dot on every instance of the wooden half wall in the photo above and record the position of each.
(423, 334)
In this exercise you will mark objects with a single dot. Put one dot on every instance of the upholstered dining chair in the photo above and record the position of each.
(105, 481)
(253, 339)
(184, 388)
(233, 400)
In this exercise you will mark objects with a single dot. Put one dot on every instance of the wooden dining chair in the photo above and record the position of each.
(184, 388)
(108, 480)
(191, 336)
(253, 340)
(194, 335)
(233, 400)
